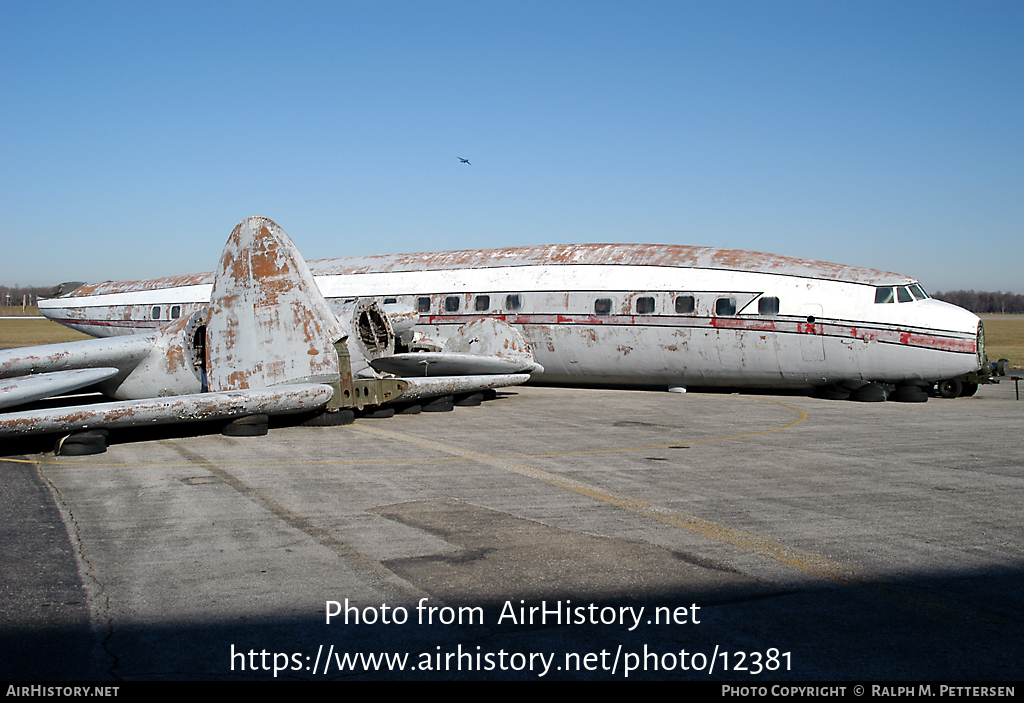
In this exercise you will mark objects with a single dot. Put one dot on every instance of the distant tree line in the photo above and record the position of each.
(14, 295)
(982, 301)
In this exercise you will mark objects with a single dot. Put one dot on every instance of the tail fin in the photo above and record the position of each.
(269, 324)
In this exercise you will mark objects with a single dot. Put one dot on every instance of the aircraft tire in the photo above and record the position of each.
(831, 393)
(233, 429)
(378, 413)
(968, 390)
(871, 393)
(950, 388)
(490, 394)
(910, 394)
(469, 400)
(78, 449)
(444, 404)
(411, 409)
(331, 419)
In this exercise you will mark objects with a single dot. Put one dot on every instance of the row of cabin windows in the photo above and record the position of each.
(685, 305)
(175, 312)
(903, 294)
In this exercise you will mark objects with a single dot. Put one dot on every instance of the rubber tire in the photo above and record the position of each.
(75, 449)
(831, 393)
(950, 388)
(378, 413)
(248, 430)
(444, 404)
(968, 390)
(90, 437)
(413, 409)
(470, 400)
(331, 419)
(490, 394)
(909, 394)
(871, 393)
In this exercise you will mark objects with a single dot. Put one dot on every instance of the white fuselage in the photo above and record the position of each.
(604, 322)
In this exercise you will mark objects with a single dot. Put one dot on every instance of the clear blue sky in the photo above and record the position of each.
(890, 134)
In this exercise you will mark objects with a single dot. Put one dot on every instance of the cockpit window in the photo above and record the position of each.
(918, 291)
(884, 295)
(903, 295)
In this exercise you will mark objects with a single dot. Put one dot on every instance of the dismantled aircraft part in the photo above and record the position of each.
(267, 343)
(66, 287)
(165, 371)
(403, 319)
(490, 337)
(450, 364)
(422, 388)
(25, 389)
(269, 324)
(331, 418)
(469, 400)
(111, 352)
(444, 404)
(295, 398)
(677, 389)
(369, 333)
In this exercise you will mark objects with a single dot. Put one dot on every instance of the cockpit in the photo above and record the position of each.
(901, 294)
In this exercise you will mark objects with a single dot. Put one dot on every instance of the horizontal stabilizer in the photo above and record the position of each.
(421, 364)
(279, 400)
(122, 352)
(25, 389)
(450, 385)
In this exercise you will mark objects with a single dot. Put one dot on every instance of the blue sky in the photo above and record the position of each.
(882, 134)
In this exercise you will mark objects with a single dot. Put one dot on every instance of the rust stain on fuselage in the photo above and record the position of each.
(672, 255)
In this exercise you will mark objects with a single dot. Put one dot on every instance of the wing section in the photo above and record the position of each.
(25, 389)
(197, 407)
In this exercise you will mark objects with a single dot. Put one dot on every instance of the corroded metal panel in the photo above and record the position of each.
(269, 324)
(293, 398)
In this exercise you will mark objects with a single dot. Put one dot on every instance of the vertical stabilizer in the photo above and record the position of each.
(269, 324)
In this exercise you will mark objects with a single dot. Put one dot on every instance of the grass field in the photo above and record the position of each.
(28, 333)
(1004, 338)
(1004, 334)
(16, 311)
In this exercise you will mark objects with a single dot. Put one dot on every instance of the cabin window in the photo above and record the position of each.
(884, 295)
(155, 312)
(644, 306)
(513, 301)
(482, 303)
(724, 307)
(918, 292)
(175, 312)
(903, 295)
(603, 306)
(768, 306)
(390, 301)
(451, 303)
(422, 304)
(685, 304)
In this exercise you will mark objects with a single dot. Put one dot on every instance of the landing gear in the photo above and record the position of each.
(950, 388)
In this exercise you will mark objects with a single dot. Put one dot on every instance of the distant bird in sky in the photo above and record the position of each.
(465, 161)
